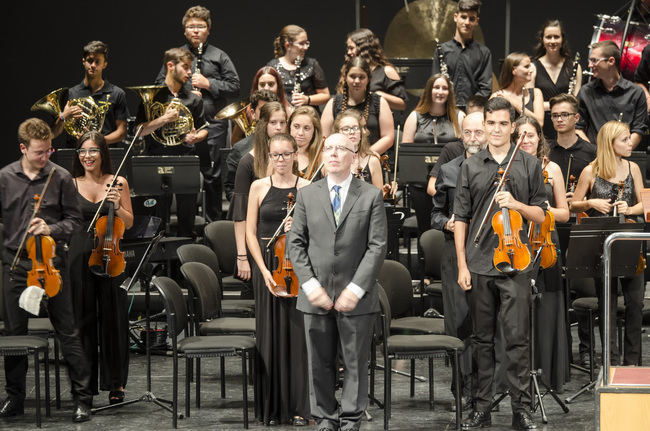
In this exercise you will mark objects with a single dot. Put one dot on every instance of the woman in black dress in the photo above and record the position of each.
(551, 349)
(435, 118)
(356, 94)
(553, 68)
(254, 165)
(384, 79)
(281, 375)
(304, 127)
(515, 78)
(100, 304)
(290, 48)
(608, 182)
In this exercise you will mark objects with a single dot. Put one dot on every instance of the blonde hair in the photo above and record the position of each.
(512, 60)
(605, 164)
(426, 100)
(289, 33)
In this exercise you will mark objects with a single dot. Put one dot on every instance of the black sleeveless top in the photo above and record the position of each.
(88, 209)
(424, 130)
(550, 89)
(273, 209)
(372, 122)
(603, 189)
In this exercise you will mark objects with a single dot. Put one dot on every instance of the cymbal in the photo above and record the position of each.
(411, 34)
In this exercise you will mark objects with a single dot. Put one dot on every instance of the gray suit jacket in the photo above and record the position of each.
(352, 252)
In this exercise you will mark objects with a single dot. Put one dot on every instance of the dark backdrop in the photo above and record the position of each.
(42, 41)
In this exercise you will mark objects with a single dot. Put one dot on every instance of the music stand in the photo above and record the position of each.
(415, 161)
(145, 280)
(584, 257)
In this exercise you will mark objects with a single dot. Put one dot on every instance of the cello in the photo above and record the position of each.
(41, 250)
(106, 259)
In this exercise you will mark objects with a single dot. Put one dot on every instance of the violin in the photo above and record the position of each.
(511, 255)
(107, 260)
(41, 250)
(389, 196)
(539, 235)
(572, 182)
(281, 268)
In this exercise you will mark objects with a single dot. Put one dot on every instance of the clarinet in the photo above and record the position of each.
(574, 73)
(199, 55)
(296, 84)
(441, 61)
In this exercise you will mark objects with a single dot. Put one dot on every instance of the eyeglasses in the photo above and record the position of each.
(197, 27)
(276, 156)
(47, 152)
(334, 148)
(562, 115)
(468, 133)
(595, 61)
(304, 44)
(89, 151)
(348, 130)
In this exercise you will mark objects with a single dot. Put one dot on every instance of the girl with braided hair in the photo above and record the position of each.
(356, 95)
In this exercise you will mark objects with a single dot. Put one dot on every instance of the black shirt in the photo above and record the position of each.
(474, 191)
(470, 69)
(59, 207)
(310, 75)
(109, 94)
(443, 200)
(191, 102)
(448, 153)
(582, 151)
(221, 73)
(372, 122)
(642, 73)
(598, 106)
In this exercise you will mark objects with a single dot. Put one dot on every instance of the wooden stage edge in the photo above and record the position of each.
(624, 405)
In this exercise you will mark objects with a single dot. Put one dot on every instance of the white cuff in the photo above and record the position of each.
(358, 291)
(310, 285)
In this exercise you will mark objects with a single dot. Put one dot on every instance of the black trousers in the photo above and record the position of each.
(505, 300)
(185, 211)
(61, 315)
(325, 334)
(633, 290)
(458, 321)
(212, 176)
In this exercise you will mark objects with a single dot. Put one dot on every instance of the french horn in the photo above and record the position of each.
(236, 112)
(92, 112)
(173, 133)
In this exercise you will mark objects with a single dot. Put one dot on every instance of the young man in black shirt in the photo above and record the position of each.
(178, 62)
(215, 80)
(609, 96)
(95, 60)
(493, 293)
(469, 63)
(59, 217)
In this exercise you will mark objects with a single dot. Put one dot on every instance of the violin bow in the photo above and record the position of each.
(499, 186)
(37, 207)
(117, 172)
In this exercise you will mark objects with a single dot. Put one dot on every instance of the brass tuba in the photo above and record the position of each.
(237, 113)
(92, 116)
(171, 134)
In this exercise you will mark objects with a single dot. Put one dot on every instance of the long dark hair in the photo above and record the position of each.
(100, 141)
(540, 51)
(363, 65)
(542, 146)
(268, 70)
(369, 48)
(261, 138)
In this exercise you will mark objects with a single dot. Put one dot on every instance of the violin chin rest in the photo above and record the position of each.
(98, 271)
(506, 268)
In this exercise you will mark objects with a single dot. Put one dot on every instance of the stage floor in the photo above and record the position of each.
(226, 414)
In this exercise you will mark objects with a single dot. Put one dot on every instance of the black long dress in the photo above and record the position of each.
(282, 379)
(101, 311)
(549, 89)
(551, 346)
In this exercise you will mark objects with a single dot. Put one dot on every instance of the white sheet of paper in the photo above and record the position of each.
(30, 299)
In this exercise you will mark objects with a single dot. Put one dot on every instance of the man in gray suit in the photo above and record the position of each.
(337, 244)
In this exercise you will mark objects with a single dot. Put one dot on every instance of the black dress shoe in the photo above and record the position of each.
(81, 413)
(523, 421)
(11, 407)
(477, 420)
